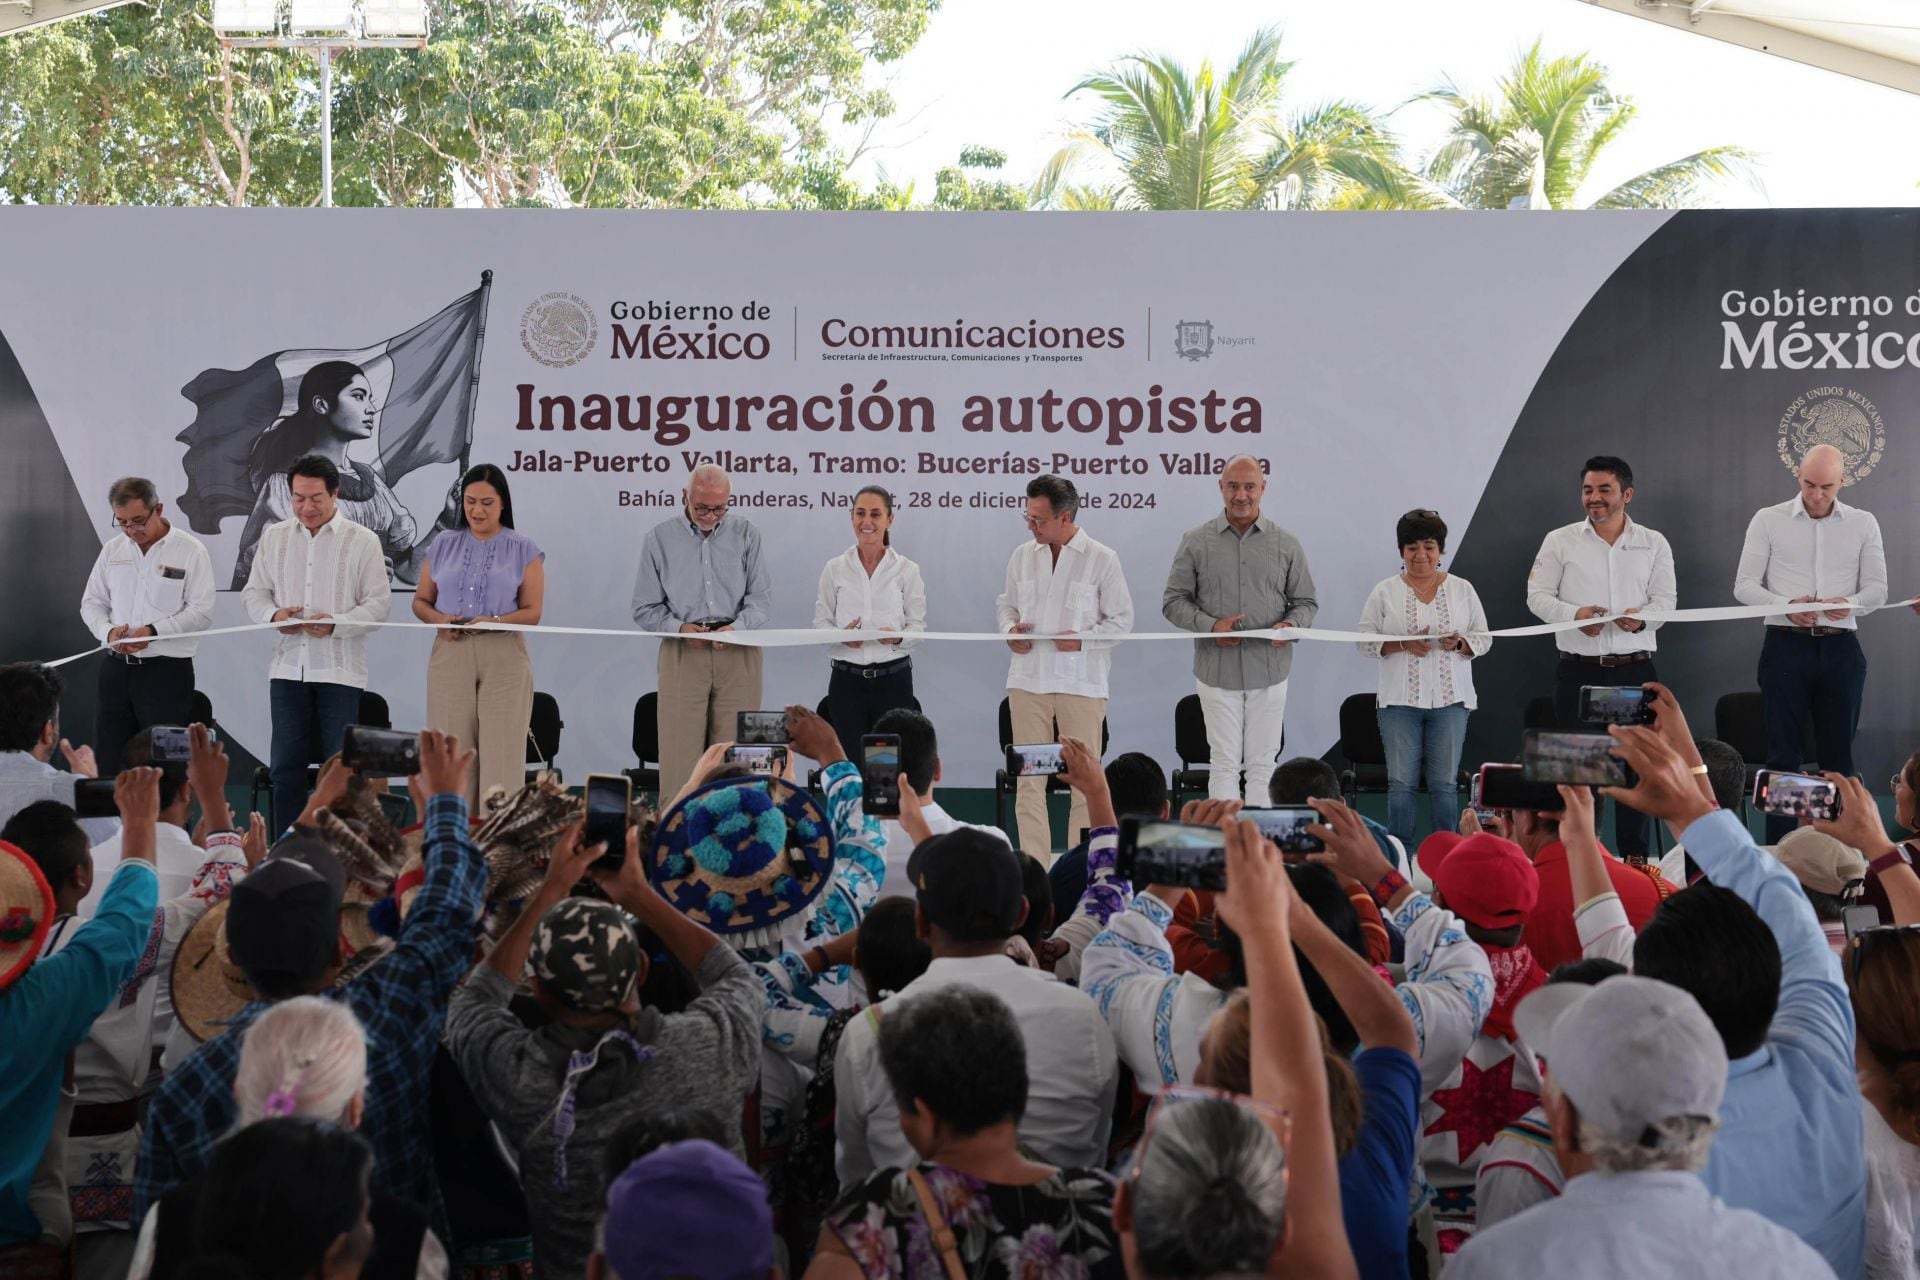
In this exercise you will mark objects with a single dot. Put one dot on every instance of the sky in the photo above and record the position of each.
(996, 73)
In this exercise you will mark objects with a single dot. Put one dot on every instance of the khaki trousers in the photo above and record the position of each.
(702, 689)
(480, 690)
(1035, 717)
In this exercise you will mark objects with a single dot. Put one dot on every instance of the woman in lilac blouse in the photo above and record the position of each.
(480, 683)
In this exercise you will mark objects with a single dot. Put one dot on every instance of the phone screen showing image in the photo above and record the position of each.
(380, 753)
(761, 729)
(880, 774)
(766, 760)
(1573, 760)
(1795, 795)
(1181, 854)
(1602, 705)
(1040, 759)
(1287, 828)
(609, 800)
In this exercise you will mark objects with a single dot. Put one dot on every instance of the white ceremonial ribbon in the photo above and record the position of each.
(784, 638)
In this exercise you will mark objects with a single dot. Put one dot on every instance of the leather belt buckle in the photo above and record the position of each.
(1825, 631)
(131, 659)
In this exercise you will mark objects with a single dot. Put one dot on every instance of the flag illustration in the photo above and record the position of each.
(423, 381)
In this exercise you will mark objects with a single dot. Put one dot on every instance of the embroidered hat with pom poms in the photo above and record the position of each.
(26, 912)
(744, 857)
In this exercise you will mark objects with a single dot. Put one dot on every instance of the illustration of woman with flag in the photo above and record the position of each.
(336, 407)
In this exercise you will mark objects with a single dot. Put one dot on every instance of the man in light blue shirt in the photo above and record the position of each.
(1746, 944)
(49, 1009)
(29, 735)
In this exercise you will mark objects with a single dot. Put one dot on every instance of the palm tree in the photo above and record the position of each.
(1533, 145)
(1177, 139)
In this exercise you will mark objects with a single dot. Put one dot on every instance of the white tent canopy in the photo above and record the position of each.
(1875, 40)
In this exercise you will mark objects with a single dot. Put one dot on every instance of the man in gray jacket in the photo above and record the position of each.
(1240, 572)
(561, 1093)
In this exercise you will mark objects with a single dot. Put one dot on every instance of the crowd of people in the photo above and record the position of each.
(770, 1033)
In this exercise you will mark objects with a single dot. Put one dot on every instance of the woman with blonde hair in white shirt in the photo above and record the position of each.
(871, 587)
(1426, 680)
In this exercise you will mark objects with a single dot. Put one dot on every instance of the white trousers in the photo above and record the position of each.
(1243, 734)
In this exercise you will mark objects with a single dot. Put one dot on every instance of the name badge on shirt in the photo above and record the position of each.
(172, 571)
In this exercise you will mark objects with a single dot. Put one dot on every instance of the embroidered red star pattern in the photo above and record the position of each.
(1482, 1104)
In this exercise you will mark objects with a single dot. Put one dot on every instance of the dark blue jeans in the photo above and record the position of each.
(1802, 675)
(1423, 745)
(308, 719)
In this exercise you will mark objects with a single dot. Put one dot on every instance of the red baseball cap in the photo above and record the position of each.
(1483, 879)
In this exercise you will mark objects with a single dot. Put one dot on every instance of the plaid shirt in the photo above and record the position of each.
(402, 1003)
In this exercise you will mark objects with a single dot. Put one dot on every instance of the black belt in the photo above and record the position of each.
(135, 660)
(1608, 659)
(872, 671)
(1817, 633)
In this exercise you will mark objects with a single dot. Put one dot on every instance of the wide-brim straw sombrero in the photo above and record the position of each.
(208, 988)
(744, 857)
(26, 913)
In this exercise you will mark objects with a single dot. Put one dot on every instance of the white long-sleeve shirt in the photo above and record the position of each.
(892, 597)
(1442, 677)
(340, 571)
(1084, 592)
(1577, 567)
(1789, 554)
(169, 588)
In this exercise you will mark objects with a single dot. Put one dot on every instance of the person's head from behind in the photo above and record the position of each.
(47, 832)
(689, 1210)
(1822, 472)
(1634, 1073)
(889, 951)
(1534, 829)
(287, 1199)
(1830, 873)
(651, 1130)
(970, 891)
(486, 502)
(1226, 1062)
(1883, 977)
(30, 708)
(283, 920)
(313, 489)
(1708, 942)
(303, 1057)
(1137, 785)
(919, 748)
(957, 1066)
(1488, 882)
(1726, 772)
(1037, 892)
(1606, 487)
(1301, 779)
(1207, 1195)
(587, 963)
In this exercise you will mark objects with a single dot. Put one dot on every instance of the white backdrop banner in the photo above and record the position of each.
(1373, 364)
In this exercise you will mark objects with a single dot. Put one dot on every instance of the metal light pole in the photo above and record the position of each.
(322, 26)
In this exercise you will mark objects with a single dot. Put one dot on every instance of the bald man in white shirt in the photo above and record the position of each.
(1825, 557)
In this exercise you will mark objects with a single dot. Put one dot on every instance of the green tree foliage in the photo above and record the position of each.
(679, 103)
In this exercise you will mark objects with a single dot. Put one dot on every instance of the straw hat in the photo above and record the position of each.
(26, 912)
(744, 856)
(207, 986)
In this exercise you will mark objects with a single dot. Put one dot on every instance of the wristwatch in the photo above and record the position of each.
(1896, 856)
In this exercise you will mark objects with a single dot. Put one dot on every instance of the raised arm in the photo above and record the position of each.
(1859, 827)
(1373, 1007)
(1599, 917)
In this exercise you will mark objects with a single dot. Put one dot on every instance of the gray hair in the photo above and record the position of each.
(1679, 1143)
(307, 1055)
(1058, 491)
(132, 489)
(1209, 1192)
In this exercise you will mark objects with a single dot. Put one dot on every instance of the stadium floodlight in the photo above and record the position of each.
(317, 17)
(386, 19)
(245, 17)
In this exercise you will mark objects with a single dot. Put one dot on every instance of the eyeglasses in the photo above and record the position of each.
(138, 523)
(1034, 522)
(1867, 939)
(703, 509)
(1899, 779)
(1421, 513)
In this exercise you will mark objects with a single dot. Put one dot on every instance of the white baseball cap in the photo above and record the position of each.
(1628, 1053)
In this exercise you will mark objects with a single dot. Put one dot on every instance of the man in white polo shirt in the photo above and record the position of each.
(151, 583)
(1817, 552)
(1606, 563)
(1062, 582)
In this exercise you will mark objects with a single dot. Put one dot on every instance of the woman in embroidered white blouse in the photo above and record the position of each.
(870, 585)
(1426, 682)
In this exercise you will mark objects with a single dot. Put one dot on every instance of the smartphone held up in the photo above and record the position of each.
(880, 774)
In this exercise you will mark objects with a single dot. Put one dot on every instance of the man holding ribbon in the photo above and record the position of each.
(1605, 564)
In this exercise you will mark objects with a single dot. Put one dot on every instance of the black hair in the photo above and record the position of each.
(301, 431)
(1590, 971)
(886, 537)
(133, 489)
(278, 1193)
(314, 467)
(647, 1132)
(1826, 906)
(173, 777)
(488, 474)
(1417, 526)
(1058, 491)
(1607, 462)
(957, 1050)
(1321, 890)
(1038, 891)
(892, 952)
(1726, 772)
(1301, 779)
(47, 832)
(29, 698)
(919, 746)
(1137, 785)
(1708, 942)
